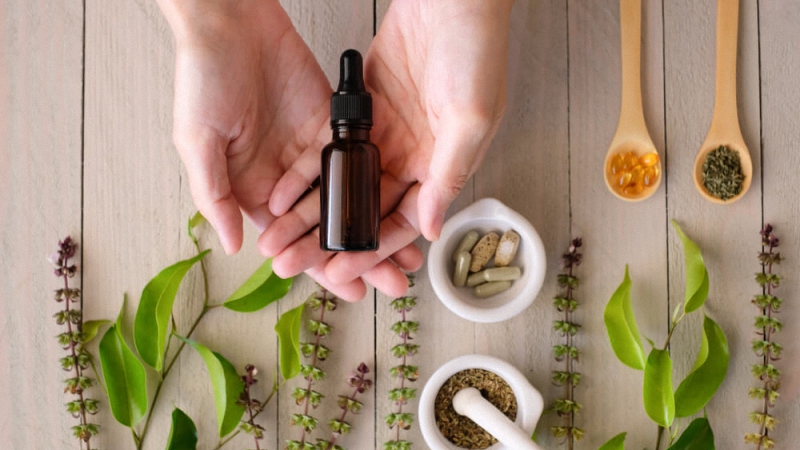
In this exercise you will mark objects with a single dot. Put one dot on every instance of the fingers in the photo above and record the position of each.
(294, 182)
(398, 230)
(387, 278)
(409, 258)
(203, 154)
(300, 256)
(352, 291)
(461, 143)
(291, 226)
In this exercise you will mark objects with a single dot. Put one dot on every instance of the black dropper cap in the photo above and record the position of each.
(351, 104)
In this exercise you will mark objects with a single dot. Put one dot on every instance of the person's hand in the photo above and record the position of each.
(437, 74)
(250, 101)
(250, 98)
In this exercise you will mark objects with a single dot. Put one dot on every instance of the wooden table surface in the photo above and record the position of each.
(85, 121)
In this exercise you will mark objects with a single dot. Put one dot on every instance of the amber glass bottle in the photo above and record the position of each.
(351, 167)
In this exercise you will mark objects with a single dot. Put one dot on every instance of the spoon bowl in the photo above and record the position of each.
(640, 147)
(632, 135)
(724, 128)
(744, 159)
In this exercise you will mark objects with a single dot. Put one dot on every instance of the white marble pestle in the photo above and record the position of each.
(470, 403)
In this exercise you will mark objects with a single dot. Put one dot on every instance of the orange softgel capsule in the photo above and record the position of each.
(631, 161)
(649, 159)
(633, 174)
(616, 164)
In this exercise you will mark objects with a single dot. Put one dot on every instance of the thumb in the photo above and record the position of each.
(203, 154)
(457, 153)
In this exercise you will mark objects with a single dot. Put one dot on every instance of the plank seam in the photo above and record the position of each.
(760, 113)
(666, 153)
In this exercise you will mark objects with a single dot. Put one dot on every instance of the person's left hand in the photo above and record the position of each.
(437, 74)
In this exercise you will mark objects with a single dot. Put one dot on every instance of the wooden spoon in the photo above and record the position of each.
(632, 134)
(724, 128)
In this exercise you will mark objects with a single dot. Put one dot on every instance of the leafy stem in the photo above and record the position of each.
(168, 367)
(78, 360)
(275, 388)
(766, 324)
(567, 352)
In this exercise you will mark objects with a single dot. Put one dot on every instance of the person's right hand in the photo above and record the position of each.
(249, 99)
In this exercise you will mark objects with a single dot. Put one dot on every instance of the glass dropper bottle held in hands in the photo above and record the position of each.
(351, 166)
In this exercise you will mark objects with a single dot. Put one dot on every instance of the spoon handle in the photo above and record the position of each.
(726, 115)
(631, 118)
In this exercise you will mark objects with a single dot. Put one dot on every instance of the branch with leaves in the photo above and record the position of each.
(78, 359)
(399, 419)
(769, 351)
(124, 368)
(567, 352)
(661, 403)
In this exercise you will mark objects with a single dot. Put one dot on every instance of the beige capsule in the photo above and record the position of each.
(483, 251)
(489, 289)
(494, 274)
(507, 248)
(462, 269)
(467, 243)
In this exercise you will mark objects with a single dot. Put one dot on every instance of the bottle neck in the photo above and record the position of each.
(350, 133)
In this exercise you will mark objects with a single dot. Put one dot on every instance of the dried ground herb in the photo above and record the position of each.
(460, 430)
(722, 173)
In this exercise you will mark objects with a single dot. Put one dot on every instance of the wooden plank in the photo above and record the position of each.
(328, 30)
(133, 221)
(527, 168)
(726, 234)
(41, 46)
(780, 101)
(614, 233)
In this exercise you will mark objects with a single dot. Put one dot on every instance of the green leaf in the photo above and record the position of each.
(195, 221)
(702, 383)
(155, 309)
(288, 329)
(90, 328)
(698, 436)
(227, 386)
(125, 377)
(702, 355)
(659, 401)
(621, 326)
(696, 273)
(615, 443)
(183, 433)
(261, 289)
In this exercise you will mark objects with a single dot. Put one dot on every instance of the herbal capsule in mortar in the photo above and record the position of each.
(462, 269)
(494, 274)
(483, 251)
(506, 249)
(466, 244)
(488, 289)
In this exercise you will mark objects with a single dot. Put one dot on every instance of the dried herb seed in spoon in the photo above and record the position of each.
(722, 173)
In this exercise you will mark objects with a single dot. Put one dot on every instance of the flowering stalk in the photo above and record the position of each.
(307, 397)
(567, 352)
(399, 420)
(252, 406)
(78, 359)
(360, 383)
(767, 324)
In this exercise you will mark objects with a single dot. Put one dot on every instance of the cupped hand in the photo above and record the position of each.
(437, 74)
(250, 99)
